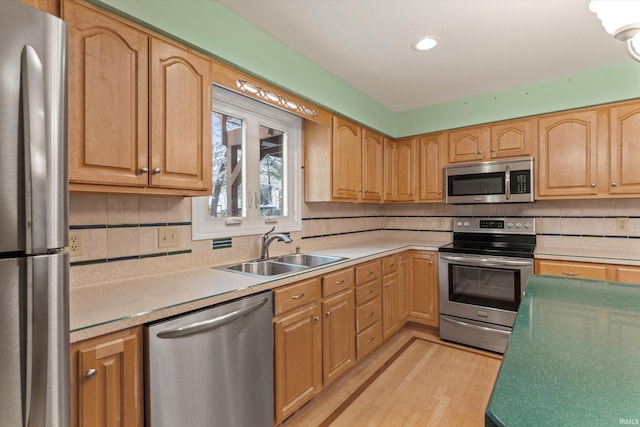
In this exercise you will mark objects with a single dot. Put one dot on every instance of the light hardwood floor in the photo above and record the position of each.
(413, 379)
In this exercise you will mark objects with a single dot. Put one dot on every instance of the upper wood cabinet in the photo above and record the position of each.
(49, 6)
(569, 162)
(343, 163)
(399, 173)
(624, 149)
(372, 165)
(430, 168)
(123, 136)
(512, 138)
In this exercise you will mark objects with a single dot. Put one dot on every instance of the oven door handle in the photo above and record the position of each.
(488, 262)
(470, 325)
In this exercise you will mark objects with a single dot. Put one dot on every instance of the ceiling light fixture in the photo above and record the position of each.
(620, 18)
(426, 43)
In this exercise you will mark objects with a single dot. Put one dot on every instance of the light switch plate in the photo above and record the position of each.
(168, 237)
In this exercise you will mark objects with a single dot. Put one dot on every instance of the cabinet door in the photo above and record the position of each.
(390, 305)
(389, 171)
(513, 138)
(567, 160)
(468, 144)
(372, 166)
(108, 99)
(424, 288)
(346, 159)
(404, 278)
(431, 178)
(49, 6)
(180, 118)
(624, 149)
(298, 359)
(405, 175)
(106, 380)
(338, 336)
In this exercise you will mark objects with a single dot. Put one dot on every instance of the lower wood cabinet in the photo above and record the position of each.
(298, 346)
(368, 307)
(394, 295)
(588, 270)
(107, 380)
(338, 325)
(423, 287)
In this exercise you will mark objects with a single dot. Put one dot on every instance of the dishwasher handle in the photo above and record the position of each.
(207, 325)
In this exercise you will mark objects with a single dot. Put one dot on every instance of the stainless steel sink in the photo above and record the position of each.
(307, 260)
(284, 264)
(264, 268)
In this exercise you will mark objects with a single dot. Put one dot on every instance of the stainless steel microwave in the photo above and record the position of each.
(499, 181)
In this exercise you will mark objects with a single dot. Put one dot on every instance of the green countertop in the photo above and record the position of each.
(573, 358)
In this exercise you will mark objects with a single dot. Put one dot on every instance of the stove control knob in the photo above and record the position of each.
(509, 224)
(518, 225)
(466, 224)
(459, 224)
(527, 225)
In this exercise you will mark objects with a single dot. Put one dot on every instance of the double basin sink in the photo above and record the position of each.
(284, 264)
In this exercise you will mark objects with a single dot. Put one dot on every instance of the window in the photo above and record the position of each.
(256, 170)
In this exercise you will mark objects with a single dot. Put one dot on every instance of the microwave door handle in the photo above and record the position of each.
(507, 182)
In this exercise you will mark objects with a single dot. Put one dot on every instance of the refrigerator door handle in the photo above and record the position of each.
(35, 151)
(37, 351)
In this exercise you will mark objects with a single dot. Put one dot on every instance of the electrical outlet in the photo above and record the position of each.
(76, 244)
(168, 237)
(622, 224)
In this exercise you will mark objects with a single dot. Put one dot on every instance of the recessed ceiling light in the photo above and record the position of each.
(426, 43)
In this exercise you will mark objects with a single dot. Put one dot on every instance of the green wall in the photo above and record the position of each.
(210, 27)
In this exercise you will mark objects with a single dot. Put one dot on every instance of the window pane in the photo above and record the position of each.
(272, 179)
(226, 197)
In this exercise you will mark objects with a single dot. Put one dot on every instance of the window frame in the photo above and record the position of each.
(257, 113)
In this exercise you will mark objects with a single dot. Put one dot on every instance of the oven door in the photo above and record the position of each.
(483, 288)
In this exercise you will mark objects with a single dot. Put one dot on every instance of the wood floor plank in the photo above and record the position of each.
(413, 379)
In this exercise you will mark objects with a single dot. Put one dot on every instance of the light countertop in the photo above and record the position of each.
(96, 310)
(572, 358)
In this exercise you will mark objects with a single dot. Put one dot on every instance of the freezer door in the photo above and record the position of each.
(33, 130)
(34, 314)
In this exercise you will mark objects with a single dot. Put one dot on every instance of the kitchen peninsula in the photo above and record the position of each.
(572, 358)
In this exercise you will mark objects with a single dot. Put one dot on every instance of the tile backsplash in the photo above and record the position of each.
(120, 233)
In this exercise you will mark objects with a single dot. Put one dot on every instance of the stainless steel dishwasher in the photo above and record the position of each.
(212, 367)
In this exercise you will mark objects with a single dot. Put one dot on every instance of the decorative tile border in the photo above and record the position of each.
(128, 258)
(221, 243)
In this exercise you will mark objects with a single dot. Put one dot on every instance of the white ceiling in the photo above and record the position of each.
(486, 45)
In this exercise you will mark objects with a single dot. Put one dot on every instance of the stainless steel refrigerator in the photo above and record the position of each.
(34, 311)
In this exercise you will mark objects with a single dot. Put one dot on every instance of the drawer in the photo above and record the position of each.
(296, 295)
(368, 314)
(368, 340)
(368, 292)
(337, 282)
(573, 269)
(627, 275)
(368, 271)
(389, 264)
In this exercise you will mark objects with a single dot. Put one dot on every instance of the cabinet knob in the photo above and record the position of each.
(593, 185)
(90, 373)
(328, 313)
(493, 150)
(157, 170)
(316, 318)
(144, 170)
(430, 262)
(614, 184)
(479, 151)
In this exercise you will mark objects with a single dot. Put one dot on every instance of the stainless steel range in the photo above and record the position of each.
(482, 277)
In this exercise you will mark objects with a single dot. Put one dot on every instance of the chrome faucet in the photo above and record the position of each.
(266, 241)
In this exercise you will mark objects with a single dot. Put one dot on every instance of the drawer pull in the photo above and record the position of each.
(91, 373)
(339, 282)
(386, 286)
(392, 264)
(368, 315)
(369, 292)
(570, 273)
(369, 273)
(298, 296)
(371, 339)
